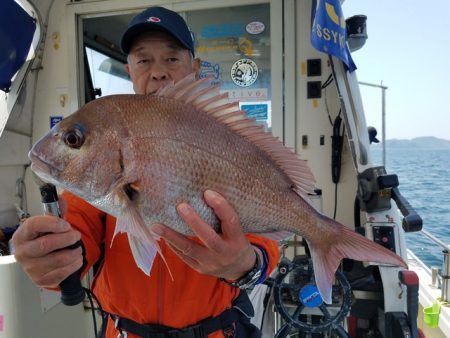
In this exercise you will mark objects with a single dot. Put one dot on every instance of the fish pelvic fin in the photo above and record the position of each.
(348, 244)
(143, 242)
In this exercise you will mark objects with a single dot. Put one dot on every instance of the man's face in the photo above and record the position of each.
(156, 59)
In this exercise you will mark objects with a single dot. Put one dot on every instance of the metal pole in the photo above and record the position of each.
(445, 274)
(445, 291)
(383, 114)
(383, 120)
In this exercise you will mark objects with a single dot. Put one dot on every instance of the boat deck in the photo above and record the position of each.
(427, 295)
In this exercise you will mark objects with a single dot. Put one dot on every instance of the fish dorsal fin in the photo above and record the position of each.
(209, 100)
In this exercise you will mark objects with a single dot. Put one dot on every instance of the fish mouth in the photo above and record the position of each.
(41, 166)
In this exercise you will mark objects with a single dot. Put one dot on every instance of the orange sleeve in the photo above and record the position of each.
(90, 222)
(270, 247)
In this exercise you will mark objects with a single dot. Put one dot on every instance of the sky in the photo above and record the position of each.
(407, 50)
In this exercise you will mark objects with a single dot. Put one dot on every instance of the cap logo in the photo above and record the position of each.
(154, 19)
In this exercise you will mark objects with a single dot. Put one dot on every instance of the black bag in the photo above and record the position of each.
(244, 328)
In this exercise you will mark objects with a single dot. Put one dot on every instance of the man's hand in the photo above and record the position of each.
(34, 244)
(227, 255)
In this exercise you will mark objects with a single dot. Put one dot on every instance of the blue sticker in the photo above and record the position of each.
(259, 111)
(223, 30)
(210, 69)
(54, 120)
(310, 296)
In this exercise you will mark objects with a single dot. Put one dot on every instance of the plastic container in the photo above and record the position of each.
(431, 315)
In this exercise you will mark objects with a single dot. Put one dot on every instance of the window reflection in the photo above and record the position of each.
(234, 46)
(108, 74)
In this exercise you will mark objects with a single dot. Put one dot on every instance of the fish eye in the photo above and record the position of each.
(74, 138)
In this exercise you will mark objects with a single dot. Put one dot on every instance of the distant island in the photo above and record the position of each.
(426, 142)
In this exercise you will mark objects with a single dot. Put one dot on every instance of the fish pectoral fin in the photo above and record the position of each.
(143, 242)
(143, 253)
(135, 186)
(143, 245)
(129, 193)
(129, 218)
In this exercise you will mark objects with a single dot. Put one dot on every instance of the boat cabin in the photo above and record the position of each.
(268, 55)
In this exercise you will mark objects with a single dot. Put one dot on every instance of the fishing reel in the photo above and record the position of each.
(299, 303)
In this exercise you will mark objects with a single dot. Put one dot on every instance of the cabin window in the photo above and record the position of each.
(107, 74)
(234, 46)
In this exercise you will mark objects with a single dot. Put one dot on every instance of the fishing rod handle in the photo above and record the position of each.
(72, 292)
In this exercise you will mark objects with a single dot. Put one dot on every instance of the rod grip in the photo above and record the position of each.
(72, 292)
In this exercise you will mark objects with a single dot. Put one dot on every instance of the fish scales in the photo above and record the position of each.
(137, 156)
(186, 161)
(185, 178)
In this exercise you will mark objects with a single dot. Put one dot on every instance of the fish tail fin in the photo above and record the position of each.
(349, 244)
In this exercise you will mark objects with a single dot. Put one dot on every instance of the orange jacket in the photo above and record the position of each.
(123, 289)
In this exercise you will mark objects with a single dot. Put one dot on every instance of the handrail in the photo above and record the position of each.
(436, 240)
(445, 272)
(383, 114)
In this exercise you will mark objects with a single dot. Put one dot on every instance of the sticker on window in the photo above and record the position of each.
(244, 72)
(210, 69)
(258, 111)
(255, 27)
(55, 120)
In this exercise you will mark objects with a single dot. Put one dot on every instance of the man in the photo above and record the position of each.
(208, 270)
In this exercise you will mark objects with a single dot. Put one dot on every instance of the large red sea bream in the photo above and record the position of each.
(137, 156)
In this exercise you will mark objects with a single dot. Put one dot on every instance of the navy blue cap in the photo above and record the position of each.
(158, 18)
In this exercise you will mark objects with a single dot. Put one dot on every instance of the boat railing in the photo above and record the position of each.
(441, 280)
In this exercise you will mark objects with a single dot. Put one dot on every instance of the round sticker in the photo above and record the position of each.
(310, 296)
(255, 27)
(244, 72)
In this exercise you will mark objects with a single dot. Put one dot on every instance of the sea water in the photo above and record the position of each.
(424, 176)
